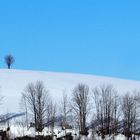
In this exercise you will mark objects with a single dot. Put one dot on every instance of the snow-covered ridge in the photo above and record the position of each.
(13, 82)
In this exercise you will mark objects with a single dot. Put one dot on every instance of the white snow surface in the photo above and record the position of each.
(13, 82)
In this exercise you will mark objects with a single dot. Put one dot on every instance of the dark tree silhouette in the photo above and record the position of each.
(9, 60)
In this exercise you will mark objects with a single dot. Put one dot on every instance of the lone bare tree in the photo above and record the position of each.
(36, 98)
(9, 60)
(80, 98)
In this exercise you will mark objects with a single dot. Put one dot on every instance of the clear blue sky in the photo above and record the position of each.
(99, 37)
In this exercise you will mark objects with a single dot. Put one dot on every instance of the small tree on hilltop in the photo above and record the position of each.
(9, 60)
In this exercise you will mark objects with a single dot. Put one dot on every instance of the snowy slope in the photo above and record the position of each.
(12, 83)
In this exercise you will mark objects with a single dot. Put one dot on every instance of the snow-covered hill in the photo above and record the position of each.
(13, 82)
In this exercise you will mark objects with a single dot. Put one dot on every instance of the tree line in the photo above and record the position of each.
(111, 114)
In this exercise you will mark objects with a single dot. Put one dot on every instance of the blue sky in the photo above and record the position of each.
(79, 36)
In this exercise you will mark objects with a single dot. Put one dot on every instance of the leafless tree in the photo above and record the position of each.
(65, 107)
(36, 98)
(80, 104)
(106, 109)
(51, 114)
(23, 105)
(130, 114)
(9, 60)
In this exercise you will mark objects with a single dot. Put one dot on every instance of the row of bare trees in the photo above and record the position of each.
(112, 114)
(38, 104)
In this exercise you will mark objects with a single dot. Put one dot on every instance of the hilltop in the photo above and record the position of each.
(13, 82)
